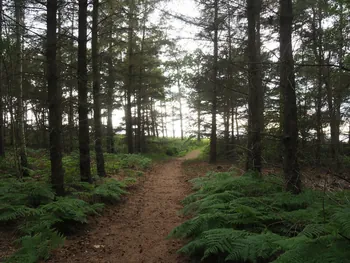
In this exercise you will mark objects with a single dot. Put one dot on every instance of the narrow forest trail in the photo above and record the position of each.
(135, 231)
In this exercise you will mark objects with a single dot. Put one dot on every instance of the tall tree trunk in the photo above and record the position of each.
(230, 146)
(337, 95)
(153, 119)
(72, 84)
(213, 136)
(227, 127)
(332, 114)
(2, 135)
(147, 115)
(100, 163)
(255, 100)
(84, 140)
(287, 85)
(129, 82)
(232, 124)
(180, 102)
(44, 139)
(110, 99)
(19, 13)
(165, 120)
(55, 101)
(237, 127)
(139, 132)
(173, 120)
(199, 120)
(162, 116)
(317, 35)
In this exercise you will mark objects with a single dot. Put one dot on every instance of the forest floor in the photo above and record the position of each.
(135, 231)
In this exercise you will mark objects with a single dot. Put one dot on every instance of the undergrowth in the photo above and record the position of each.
(44, 219)
(252, 219)
(174, 147)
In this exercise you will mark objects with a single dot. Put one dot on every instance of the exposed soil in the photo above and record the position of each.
(7, 237)
(136, 230)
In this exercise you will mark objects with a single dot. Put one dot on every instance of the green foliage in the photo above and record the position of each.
(135, 161)
(110, 190)
(173, 146)
(115, 163)
(43, 227)
(42, 218)
(251, 219)
(36, 247)
(18, 199)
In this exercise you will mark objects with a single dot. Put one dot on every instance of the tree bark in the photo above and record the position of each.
(165, 120)
(173, 119)
(198, 120)
(55, 101)
(100, 163)
(180, 102)
(72, 84)
(318, 53)
(140, 132)
(255, 99)
(213, 136)
(237, 127)
(153, 120)
(227, 126)
(2, 124)
(110, 99)
(84, 140)
(129, 82)
(287, 85)
(232, 124)
(162, 116)
(19, 13)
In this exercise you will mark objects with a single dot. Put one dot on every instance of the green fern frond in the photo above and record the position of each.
(342, 219)
(13, 212)
(110, 191)
(71, 209)
(315, 230)
(36, 247)
(255, 248)
(326, 249)
(279, 227)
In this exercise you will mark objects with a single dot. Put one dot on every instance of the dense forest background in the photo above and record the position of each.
(268, 86)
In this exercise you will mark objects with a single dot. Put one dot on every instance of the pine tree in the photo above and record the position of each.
(55, 100)
(84, 140)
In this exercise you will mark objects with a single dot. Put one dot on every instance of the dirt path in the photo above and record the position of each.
(135, 232)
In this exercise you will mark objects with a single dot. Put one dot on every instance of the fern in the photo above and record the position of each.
(36, 247)
(13, 212)
(341, 219)
(327, 249)
(233, 245)
(30, 193)
(70, 209)
(110, 191)
(251, 219)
